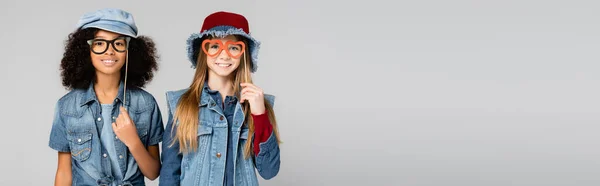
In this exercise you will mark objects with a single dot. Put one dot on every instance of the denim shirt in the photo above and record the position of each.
(207, 165)
(78, 122)
(107, 136)
(228, 108)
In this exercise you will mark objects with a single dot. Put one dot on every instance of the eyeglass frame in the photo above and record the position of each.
(111, 43)
(222, 47)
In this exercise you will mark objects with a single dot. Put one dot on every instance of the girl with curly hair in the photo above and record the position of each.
(106, 129)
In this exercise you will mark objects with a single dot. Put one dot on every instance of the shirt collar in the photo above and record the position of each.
(90, 95)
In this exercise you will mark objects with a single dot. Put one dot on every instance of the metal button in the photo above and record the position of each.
(114, 117)
(116, 137)
(78, 140)
(221, 118)
(99, 119)
(218, 154)
(104, 155)
(120, 156)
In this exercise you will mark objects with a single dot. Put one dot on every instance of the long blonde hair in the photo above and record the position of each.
(187, 110)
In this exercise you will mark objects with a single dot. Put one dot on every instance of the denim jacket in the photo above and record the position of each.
(77, 125)
(206, 166)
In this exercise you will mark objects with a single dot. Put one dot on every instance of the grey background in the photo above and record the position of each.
(371, 92)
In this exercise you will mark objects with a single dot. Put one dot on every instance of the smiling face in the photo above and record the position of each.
(111, 61)
(223, 55)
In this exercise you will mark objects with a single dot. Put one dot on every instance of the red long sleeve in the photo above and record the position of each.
(262, 130)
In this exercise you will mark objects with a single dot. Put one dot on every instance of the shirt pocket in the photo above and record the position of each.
(204, 135)
(204, 144)
(142, 124)
(143, 134)
(81, 145)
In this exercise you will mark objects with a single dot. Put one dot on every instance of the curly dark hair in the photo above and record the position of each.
(76, 67)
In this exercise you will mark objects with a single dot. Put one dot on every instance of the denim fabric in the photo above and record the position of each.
(78, 122)
(205, 166)
(107, 137)
(227, 107)
(111, 19)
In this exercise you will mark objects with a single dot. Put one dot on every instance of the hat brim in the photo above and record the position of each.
(115, 27)
(195, 40)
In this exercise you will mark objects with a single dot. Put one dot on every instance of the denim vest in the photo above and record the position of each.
(78, 122)
(206, 166)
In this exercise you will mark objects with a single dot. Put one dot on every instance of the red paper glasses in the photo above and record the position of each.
(213, 47)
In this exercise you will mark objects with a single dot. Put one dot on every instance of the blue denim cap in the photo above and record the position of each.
(109, 19)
